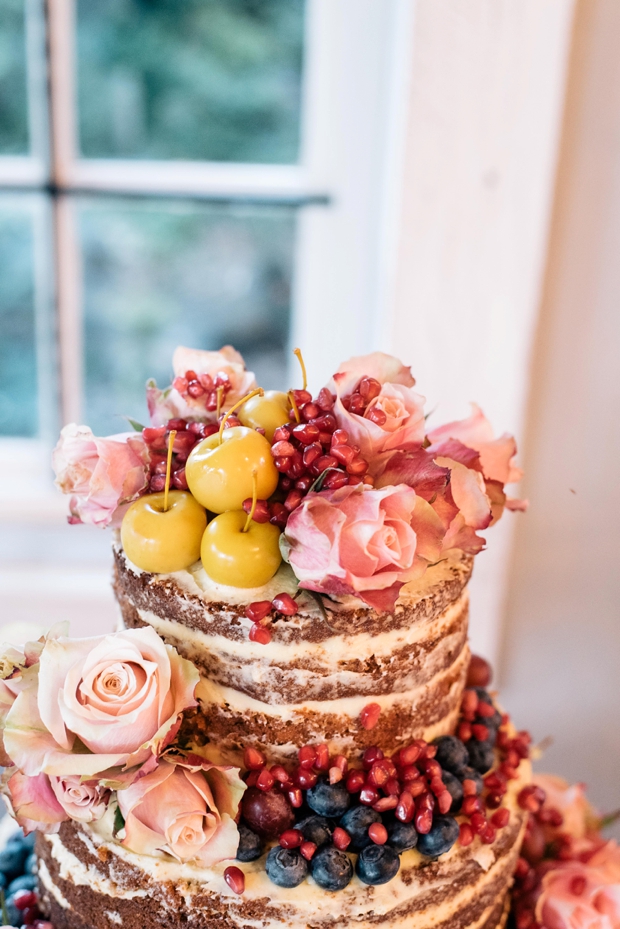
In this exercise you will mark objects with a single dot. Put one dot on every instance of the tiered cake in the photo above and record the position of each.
(287, 729)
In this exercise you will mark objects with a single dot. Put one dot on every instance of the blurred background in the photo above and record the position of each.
(436, 178)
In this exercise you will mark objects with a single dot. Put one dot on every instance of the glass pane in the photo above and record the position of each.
(18, 363)
(13, 87)
(160, 275)
(217, 80)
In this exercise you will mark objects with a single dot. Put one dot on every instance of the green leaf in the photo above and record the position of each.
(135, 425)
(318, 484)
(119, 821)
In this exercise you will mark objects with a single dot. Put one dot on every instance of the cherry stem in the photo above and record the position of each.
(291, 397)
(171, 438)
(254, 501)
(219, 394)
(300, 359)
(259, 392)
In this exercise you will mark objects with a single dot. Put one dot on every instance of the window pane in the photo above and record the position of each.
(18, 366)
(160, 275)
(13, 102)
(217, 80)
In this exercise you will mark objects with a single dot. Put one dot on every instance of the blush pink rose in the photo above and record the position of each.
(356, 540)
(496, 455)
(570, 801)
(103, 476)
(402, 407)
(578, 895)
(84, 801)
(33, 803)
(185, 809)
(227, 364)
(94, 704)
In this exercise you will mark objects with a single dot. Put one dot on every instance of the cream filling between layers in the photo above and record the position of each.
(357, 901)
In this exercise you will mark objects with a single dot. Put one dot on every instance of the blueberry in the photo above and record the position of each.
(492, 723)
(481, 755)
(250, 845)
(483, 695)
(451, 753)
(31, 864)
(455, 789)
(470, 774)
(3, 881)
(328, 799)
(13, 857)
(25, 882)
(315, 829)
(331, 868)
(285, 867)
(402, 836)
(356, 823)
(444, 833)
(377, 864)
(14, 915)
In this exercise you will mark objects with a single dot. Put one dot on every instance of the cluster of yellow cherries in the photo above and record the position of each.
(169, 531)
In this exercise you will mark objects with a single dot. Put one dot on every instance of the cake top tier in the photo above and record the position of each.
(348, 486)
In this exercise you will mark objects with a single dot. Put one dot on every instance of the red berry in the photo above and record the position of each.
(267, 813)
(260, 634)
(291, 838)
(258, 610)
(369, 717)
(378, 833)
(341, 838)
(479, 673)
(307, 849)
(253, 759)
(466, 834)
(29, 914)
(284, 604)
(25, 899)
(235, 878)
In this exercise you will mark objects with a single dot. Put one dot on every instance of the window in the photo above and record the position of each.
(206, 172)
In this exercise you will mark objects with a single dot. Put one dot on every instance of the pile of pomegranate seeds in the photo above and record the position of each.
(361, 401)
(260, 611)
(157, 439)
(194, 386)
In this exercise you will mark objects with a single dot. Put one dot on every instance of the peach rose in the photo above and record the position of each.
(394, 419)
(103, 476)
(570, 801)
(496, 455)
(84, 801)
(94, 704)
(356, 540)
(33, 803)
(226, 366)
(186, 809)
(582, 896)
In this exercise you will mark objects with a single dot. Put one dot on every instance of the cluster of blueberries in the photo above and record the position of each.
(18, 869)
(329, 805)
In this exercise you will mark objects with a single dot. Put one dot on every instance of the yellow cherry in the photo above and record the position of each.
(220, 475)
(267, 412)
(238, 558)
(162, 540)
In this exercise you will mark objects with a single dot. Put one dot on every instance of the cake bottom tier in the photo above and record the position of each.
(88, 882)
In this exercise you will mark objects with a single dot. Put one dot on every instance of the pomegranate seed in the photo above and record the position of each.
(378, 833)
(282, 450)
(524, 919)
(376, 415)
(307, 756)
(307, 433)
(307, 849)
(235, 878)
(501, 818)
(293, 500)
(157, 483)
(495, 781)
(29, 915)
(279, 515)
(335, 775)
(265, 780)
(253, 759)
(478, 823)
(327, 424)
(508, 771)
(466, 835)
(369, 388)
(480, 732)
(354, 403)
(340, 437)
(325, 400)
(195, 389)
(392, 786)
(444, 801)
(409, 755)
(369, 717)
(341, 838)
(357, 467)
(284, 604)
(423, 821)
(527, 799)
(260, 634)
(410, 773)
(378, 775)
(493, 801)
(285, 483)
(311, 453)
(485, 709)
(425, 801)
(304, 778)
(322, 757)
(309, 411)
(489, 835)
(296, 468)
(282, 464)
(386, 803)
(251, 778)
(24, 899)
(470, 788)
(180, 384)
(291, 838)
(469, 701)
(179, 480)
(341, 762)
(303, 484)
(295, 797)
(405, 809)
(416, 788)
(343, 453)
(261, 511)
(335, 479)
(323, 463)
(42, 924)
(556, 819)
(302, 396)
(280, 774)
(472, 805)
(258, 610)
(282, 434)
(355, 781)
(463, 732)
(437, 786)
(368, 795)
(430, 767)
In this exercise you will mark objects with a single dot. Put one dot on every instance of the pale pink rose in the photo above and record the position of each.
(570, 801)
(403, 407)
(94, 704)
(84, 801)
(170, 403)
(496, 455)
(356, 540)
(33, 803)
(582, 896)
(103, 475)
(185, 809)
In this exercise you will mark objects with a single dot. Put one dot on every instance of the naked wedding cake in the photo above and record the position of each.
(287, 729)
